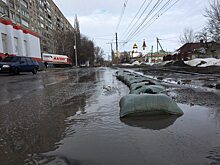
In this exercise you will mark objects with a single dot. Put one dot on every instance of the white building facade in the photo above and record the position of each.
(18, 41)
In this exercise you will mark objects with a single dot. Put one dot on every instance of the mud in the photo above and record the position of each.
(76, 121)
(189, 89)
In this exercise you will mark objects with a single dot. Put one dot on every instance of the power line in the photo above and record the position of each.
(97, 38)
(142, 5)
(122, 14)
(146, 17)
(157, 15)
(163, 10)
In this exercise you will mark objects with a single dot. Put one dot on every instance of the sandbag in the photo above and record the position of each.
(139, 80)
(140, 84)
(150, 89)
(124, 76)
(120, 75)
(148, 104)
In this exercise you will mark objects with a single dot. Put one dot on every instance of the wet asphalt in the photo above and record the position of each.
(71, 117)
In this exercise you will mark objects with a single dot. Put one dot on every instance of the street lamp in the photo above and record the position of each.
(75, 50)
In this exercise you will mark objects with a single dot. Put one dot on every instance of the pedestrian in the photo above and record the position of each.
(46, 64)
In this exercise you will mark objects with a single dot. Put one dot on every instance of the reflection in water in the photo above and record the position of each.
(73, 123)
(214, 155)
(36, 124)
(52, 160)
(151, 122)
(15, 89)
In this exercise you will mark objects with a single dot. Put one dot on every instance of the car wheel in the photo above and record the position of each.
(34, 71)
(16, 71)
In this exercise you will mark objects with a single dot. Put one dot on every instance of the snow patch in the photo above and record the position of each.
(203, 62)
(137, 63)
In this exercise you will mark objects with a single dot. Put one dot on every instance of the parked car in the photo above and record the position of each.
(17, 64)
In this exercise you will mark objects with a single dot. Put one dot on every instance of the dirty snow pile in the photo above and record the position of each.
(203, 62)
(137, 63)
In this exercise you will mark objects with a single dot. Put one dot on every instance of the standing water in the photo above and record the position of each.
(93, 134)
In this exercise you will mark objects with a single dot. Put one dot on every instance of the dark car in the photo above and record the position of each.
(17, 64)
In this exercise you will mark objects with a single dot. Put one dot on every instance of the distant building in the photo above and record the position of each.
(40, 16)
(155, 57)
(135, 53)
(3, 9)
(196, 50)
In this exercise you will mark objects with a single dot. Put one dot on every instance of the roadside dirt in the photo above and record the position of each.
(187, 88)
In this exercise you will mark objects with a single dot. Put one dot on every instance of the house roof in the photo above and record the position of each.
(191, 47)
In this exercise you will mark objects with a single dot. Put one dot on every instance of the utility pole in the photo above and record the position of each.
(117, 51)
(157, 45)
(152, 49)
(111, 47)
(75, 47)
(116, 34)
(112, 52)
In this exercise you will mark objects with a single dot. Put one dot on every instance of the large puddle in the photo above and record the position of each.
(95, 135)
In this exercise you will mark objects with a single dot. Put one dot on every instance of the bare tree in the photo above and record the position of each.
(125, 57)
(203, 35)
(213, 15)
(87, 50)
(99, 53)
(188, 36)
(63, 42)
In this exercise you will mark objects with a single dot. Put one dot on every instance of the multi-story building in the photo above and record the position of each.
(3, 8)
(40, 16)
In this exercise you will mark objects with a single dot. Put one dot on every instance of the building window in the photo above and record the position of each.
(41, 10)
(12, 15)
(18, 8)
(42, 25)
(24, 3)
(25, 23)
(4, 43)
(50, 25)
(16, 45)
(3, 10)
(25, 48)
(18, 19)
(24, 13)
(12, 5)
(41, 18)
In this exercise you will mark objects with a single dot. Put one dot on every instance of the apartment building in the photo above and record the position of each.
(40, 16)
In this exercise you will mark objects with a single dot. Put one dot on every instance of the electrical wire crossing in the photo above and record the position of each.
(155, 16)
(122, 14)
(142, 5)
(157, 10)
(156, 5)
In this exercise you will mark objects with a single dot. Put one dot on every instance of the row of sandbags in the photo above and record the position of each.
(146, 97)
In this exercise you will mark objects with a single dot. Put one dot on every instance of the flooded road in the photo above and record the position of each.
(72, 118)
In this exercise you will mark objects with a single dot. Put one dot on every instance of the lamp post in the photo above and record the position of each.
(75, 48)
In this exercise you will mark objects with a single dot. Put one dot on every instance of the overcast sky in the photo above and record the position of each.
(98, 20)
